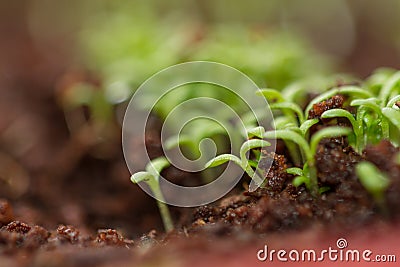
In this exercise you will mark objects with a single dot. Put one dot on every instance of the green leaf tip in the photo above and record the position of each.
(295, 171)
(221, 159)
(157, 165)
(141, 177)
(255, 131)
(271, 95)
(392, 115)
(299, 180)
(373, 180)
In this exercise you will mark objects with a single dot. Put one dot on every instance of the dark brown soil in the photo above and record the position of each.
(277, 208)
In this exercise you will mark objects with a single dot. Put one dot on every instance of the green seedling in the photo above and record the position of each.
(242, 161)
(378, 78)
(389, 88)
(306, 125)
(393, 115)
(371, 123)
(356, 137)
(151, 178)
(283, 123)
(308, 174)
(291, 119)
(302, 178)
(373, 180)
(369, 112)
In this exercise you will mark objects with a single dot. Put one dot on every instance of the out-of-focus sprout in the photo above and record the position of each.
(151, 178)
(373, 180)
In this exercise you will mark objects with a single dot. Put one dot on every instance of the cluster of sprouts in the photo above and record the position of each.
(372, 113)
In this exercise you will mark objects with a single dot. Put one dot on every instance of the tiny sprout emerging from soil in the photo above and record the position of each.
(374, 181)
(151, 178)
(356, 137)
(242, 161)
(307, 175)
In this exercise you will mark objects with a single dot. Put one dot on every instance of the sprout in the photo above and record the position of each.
(243, 160)
(380, 119)
(151, 178)
(356, 124)
(290, 111)
(300, 178)
(294, 108)
(306, 125)
(388, 87)
(309, 171)
(378, 78)
(272, 95)
(371, 123)
(392, 115)
(374, 181)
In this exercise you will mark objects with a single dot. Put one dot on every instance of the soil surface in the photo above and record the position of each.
(266, 215)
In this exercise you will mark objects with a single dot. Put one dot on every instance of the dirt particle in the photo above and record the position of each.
(68, 233)
(18, 227)
(149, 239)
(331, 103)
(109, 237)
(205, 213)
(276, 176)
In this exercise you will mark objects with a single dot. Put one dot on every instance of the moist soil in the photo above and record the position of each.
(268, 214)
